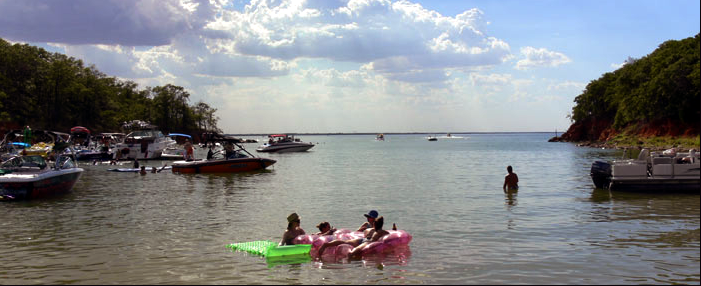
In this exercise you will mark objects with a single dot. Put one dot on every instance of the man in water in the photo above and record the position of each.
(511, 180)
(293, 230)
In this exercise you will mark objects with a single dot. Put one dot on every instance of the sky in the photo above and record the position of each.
(376, 66)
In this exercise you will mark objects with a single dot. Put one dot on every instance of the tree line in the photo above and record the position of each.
(55, 92)
(662, 86)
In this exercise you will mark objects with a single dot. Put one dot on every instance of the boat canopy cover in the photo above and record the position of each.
(179, 134)
(80, 129)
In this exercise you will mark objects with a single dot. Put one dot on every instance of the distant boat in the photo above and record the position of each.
(380, 137)
(432, 138)
(280, 143)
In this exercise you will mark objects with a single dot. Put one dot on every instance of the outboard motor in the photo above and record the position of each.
(601, 174)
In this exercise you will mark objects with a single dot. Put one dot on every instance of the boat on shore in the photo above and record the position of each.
(232, 161)
(24, 177)
(280, 143)
(668, 172)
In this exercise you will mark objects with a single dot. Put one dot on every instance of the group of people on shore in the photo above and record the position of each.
(372, 231)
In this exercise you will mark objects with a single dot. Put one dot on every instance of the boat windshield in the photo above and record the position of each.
(145, 133)
(25, 161)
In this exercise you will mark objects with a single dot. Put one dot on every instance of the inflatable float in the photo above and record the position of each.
(274, 254)
(306, 247)
(394, 243)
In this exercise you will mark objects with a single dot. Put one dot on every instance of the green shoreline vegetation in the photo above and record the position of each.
(55, 92)
(650, 102)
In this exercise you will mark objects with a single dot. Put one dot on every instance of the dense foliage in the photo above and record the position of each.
(662, 86)
(55, 92)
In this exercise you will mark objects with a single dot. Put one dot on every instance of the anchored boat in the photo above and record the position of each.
(668, 171)
(280, 143)
(31, 177)
(234, 161)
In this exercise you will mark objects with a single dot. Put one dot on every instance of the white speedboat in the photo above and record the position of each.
(145, 143)
(31, 177)
(280, 143)
(176, 151)
(668, 171)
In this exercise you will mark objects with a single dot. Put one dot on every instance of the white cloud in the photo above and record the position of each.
(540, 58)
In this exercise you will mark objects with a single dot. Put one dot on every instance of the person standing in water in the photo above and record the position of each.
(511, 180)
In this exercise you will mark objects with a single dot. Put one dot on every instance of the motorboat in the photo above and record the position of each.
(280, 143)
(87, 149)
(380, 137)
(176, 151)
(40, 142)
(651, 171)
(146, 142)
(31, 177)
(233, 161)
(432, 138)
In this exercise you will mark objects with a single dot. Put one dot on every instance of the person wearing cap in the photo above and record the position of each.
(371, 216)
(376, 235)
(293, 230)
(368, 229)
(325, 228)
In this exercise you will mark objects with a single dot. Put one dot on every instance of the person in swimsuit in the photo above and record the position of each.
(371, 216)
(292, 231)
(325, 228)
(368, 229)
(511, 180)
(376, 235)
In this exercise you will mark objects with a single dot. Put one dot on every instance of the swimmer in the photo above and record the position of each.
(143, 170)
(511, 180)
(153, 170)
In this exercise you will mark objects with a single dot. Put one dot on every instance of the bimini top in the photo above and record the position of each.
(179, 134)
(80, 129)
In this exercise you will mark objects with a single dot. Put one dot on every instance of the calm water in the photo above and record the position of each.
(123, 228)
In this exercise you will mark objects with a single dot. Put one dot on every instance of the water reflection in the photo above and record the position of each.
(511, 200)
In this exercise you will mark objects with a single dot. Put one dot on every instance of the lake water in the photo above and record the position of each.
(165, 228)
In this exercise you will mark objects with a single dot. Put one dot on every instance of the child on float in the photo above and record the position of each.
(325, 228)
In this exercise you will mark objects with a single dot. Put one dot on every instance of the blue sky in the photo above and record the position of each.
(272, 66)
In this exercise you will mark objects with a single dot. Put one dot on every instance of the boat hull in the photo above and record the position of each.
(90, 156)
(657, 185)
(222, 166)
(36, 186)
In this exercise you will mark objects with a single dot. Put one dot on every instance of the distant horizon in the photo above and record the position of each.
(388, 133)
